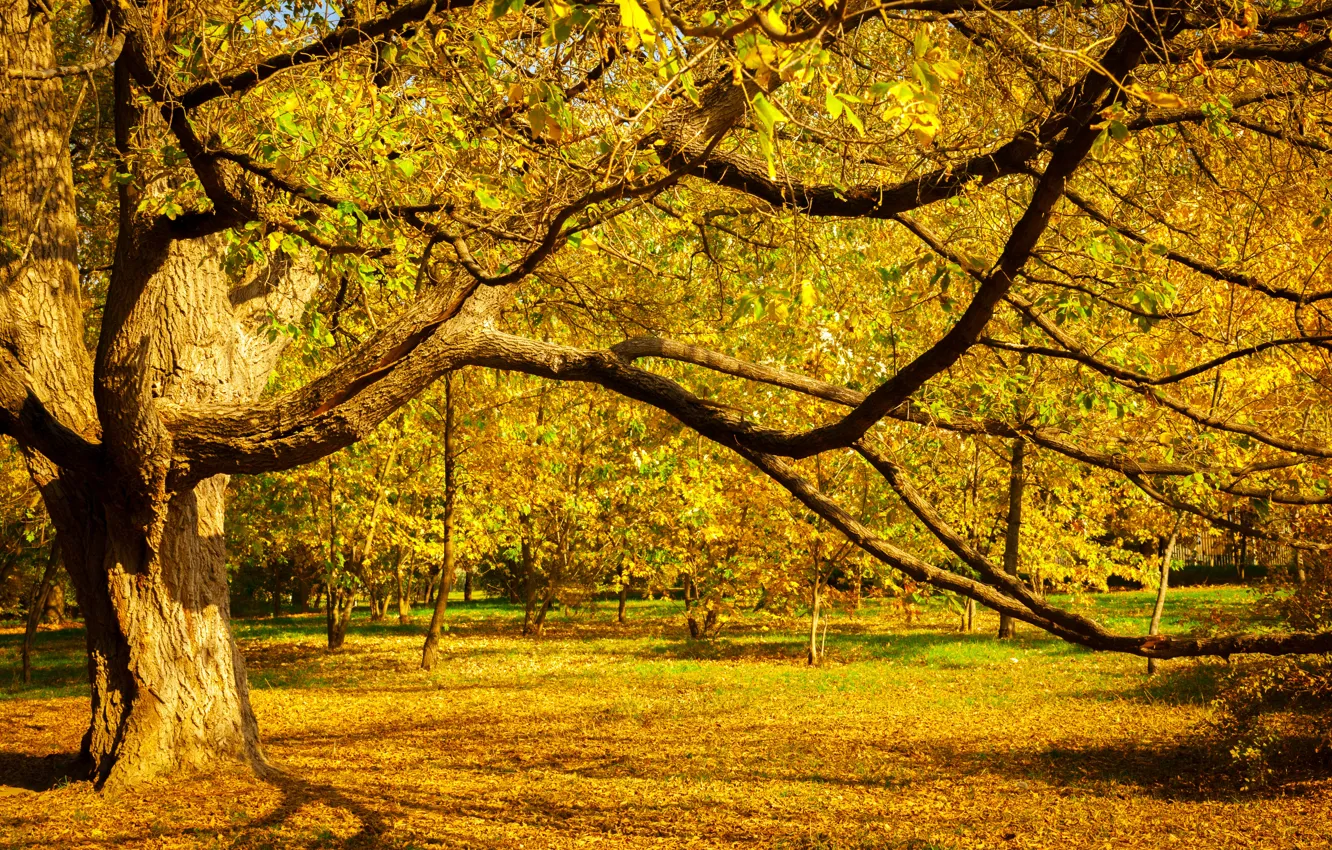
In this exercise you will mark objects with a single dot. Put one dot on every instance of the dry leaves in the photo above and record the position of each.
(631, 737)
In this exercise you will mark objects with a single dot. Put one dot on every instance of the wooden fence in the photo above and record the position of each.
(1228, 556)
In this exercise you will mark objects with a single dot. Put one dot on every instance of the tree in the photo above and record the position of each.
(450, 503)
(404, 189)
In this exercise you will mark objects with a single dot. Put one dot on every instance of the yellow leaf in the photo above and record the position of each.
(1199, 64)
(949, 70)
(635, 22)
(1164, 100)
(808, 295)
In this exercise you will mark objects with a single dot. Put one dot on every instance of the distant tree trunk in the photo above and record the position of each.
(338, 600)
(1154, 628)
(53, 612)
(968, 616)
(36, 607)
(529, 579)
(1013, 534)
(378, 603)
(539, 622)
(404, 590)
(340, 604)
(624, 601)
(431, 647)
(354, 567)
(275, 573)
(813, 656)
(706, 629)
(467, 586)
(1299, 567)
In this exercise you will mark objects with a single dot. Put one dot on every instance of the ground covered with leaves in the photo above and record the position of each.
(911, 736)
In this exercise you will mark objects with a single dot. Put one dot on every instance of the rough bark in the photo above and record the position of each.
(169, 686)
(148, 565)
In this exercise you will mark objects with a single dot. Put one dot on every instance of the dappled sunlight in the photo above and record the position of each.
(632, 736)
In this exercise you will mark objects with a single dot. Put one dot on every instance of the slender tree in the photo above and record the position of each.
(431, 648)
(1017, 481)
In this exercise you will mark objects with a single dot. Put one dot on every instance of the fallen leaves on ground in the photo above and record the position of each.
(629, 737)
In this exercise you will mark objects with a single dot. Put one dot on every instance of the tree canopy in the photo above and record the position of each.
(866, 248)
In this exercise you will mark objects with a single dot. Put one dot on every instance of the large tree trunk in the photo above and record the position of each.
(168, 683)
(144, 551)
(169, 689)
(1013, 535)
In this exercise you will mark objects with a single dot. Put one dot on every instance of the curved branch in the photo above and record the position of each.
(24, 417)
(1220, 521)
(909, 413)
(1131, 381)
(1139, 377)
(347, 34)
(1198, 265)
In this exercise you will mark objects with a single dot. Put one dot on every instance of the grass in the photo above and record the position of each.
(912, 736)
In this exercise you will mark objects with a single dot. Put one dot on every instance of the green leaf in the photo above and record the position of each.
(767, 117)
(832, 104)
(769, 114)
(854, 121)
(500, 8)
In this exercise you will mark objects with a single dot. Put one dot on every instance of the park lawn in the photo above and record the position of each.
(911, 736)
